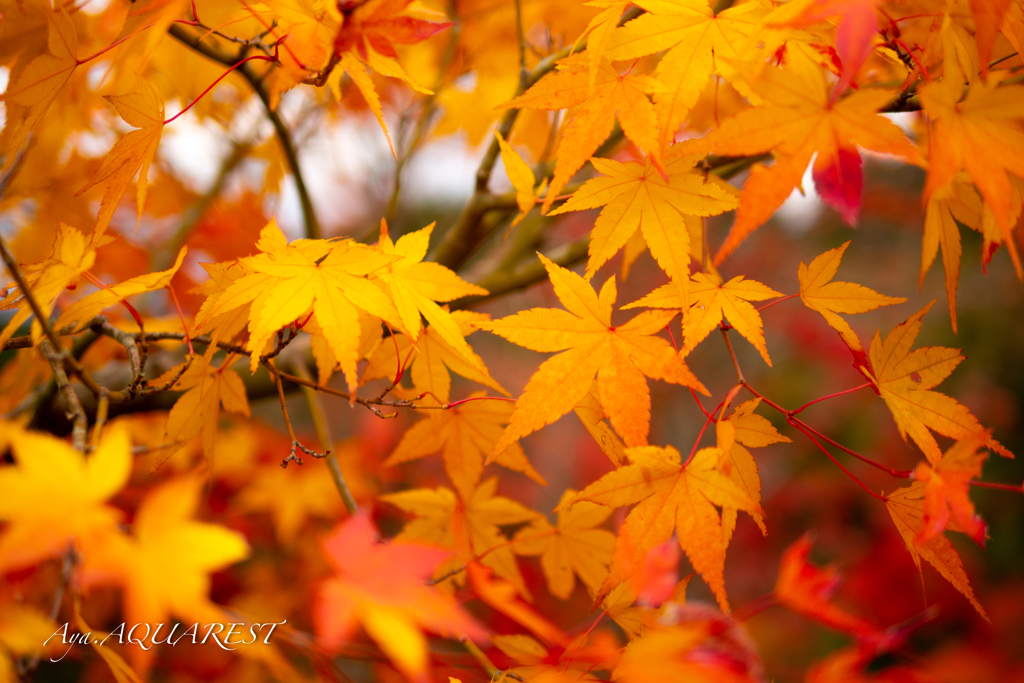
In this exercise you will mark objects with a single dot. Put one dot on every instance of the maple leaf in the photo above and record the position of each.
(144, 109)
(673, 653)
(71, 257)
(671, 496)
(468, 526)
(819, 293)
(54, 497)
(979, 134)
(465, 434)
(503, 596)
(744, 428)
(712, 302)
(85, 309)
(366, 39)
(592, 415)
(957, 201)
(945, 490)
(904, 379)
(23, 632)
(285, 281)
(907, 508)
(164, 565)
(855, 33)
(292, 496)
(696, 40)
(521, 176)
(611, 95)
(796, 120)
(806, 589)
(621, 356)
(381, 586)
(637, 197)
(36, 87)
(599, 33)
(415, 285)
(206, 388)
(429, 360)
(988, 18)
(572, 548)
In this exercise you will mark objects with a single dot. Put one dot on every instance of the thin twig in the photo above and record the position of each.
(316, 412)
(732, 354)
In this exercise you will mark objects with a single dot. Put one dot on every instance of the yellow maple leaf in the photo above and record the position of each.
(907, 508)
(671, 496)
(429, 360)
(144, 109)
(521, 176)
(468, 526)
(206, 388)
(592, 415)
(572, 548)
(612, 94)
(292, 496)
(164, 565)
(828, 298)
(85, 309)
(710, 303)
(696, 39)
(797, 120)
(905, 378)
(23, 632)
(621, 357)
(71, 257)
(636, 197)
(54, 497)
(285, 282)
(465, 435)
(415, 285)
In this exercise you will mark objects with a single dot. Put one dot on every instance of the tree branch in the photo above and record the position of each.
(283, 135)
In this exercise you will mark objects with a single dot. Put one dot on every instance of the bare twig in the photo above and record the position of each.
(323, 433)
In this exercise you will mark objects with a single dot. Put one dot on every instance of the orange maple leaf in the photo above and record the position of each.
(907, 508)
(381, 586)
(945, 490)
(132, 154)
(797, 120)
(621, 356)
(612, 95)
(671, 496)
(806, 589)
(819, 293)
(465, 435)
(37, 86)
(905, 378)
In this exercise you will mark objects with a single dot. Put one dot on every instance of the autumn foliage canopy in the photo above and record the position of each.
(437, 340)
